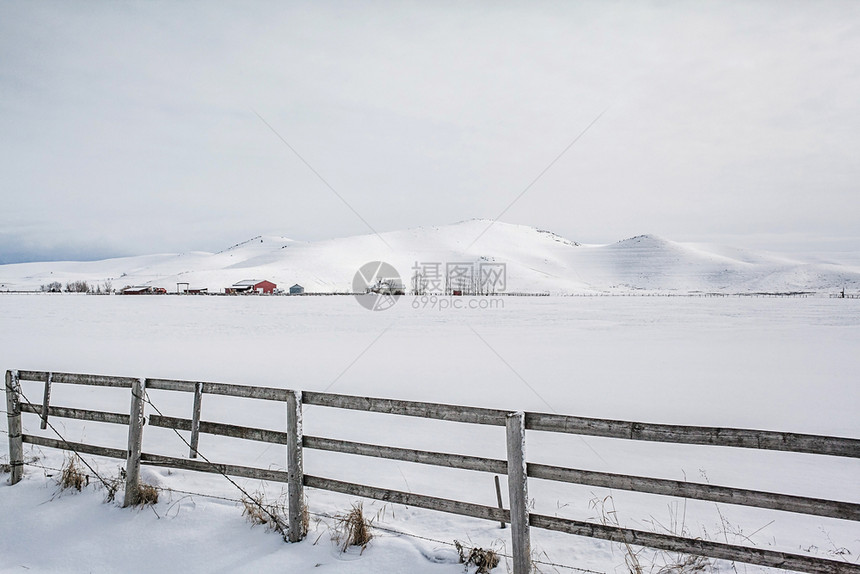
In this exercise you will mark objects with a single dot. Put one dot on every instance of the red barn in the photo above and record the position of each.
(255, 285)
(266, 287)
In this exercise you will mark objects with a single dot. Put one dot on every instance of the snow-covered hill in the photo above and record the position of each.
(537, 261)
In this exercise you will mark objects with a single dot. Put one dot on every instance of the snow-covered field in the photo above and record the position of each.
(771, 363)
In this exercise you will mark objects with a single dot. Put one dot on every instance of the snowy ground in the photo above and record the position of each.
(780, 364)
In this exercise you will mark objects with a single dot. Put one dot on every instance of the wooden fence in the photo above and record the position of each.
(515, 466)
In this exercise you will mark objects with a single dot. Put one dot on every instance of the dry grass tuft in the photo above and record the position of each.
(678, 562)
(352, 529)
(306, 518)
(609, 517)
(484, 559)
(113, 484)
(272, 516)
(72, 476)
(146, 494)
(662, 562)
(685, 564)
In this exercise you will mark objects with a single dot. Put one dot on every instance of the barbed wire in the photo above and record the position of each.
(380, 528)
(330, 517)
(277, 521)
(45, 467)
(69, 446)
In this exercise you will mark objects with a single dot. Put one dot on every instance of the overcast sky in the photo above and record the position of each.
(132, 128)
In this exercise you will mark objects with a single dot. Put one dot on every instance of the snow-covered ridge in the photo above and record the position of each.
(537, 261)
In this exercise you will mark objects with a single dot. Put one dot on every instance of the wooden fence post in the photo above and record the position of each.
(46, 402)
(518, 492)
(499, 499)
(13, 417)
(195, 419)
(295, 470)
(135, 439)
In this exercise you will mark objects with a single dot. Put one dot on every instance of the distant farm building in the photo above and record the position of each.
(143, 290)
(253, 286)
(185, 289)
(297, 290)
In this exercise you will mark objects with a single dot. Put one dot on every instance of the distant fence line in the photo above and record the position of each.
(515, 466)
(798, 295)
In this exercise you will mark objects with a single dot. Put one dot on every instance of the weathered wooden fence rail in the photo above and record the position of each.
(515, 466)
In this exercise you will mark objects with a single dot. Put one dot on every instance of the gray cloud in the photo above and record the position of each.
(130, 128)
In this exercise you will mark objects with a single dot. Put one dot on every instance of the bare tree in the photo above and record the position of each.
(77, 287)
(52, 287)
